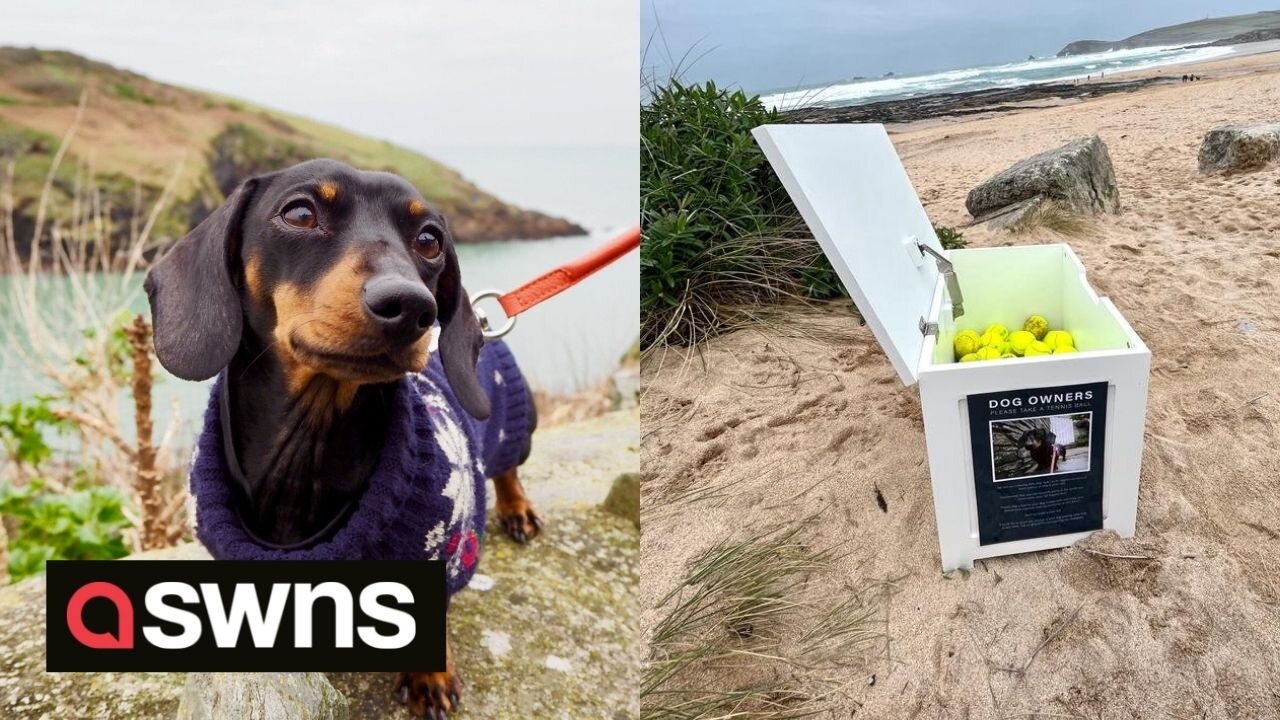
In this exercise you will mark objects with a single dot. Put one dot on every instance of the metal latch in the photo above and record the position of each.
(949, 276)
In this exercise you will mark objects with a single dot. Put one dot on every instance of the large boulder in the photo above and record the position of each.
(1239, 148)
(545, 630)
(1077, 177)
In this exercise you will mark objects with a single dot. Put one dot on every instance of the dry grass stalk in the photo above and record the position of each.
(146, 479)
(45, 300)
(738, 281)
(747, 638)
(1049, 215)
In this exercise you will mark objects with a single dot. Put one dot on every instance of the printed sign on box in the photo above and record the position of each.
(1038, 461)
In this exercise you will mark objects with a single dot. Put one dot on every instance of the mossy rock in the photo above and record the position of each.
(27, 691)
(554, 634)
(624, 498)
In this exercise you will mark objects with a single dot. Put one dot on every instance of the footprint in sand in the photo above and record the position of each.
(712, 432)
(715, 430)
(710, 454)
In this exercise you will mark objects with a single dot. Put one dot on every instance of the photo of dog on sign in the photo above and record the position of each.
(1031, 447)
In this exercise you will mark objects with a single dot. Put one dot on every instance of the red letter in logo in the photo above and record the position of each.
(123, 639)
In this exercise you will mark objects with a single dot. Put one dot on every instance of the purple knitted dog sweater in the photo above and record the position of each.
(426, 497)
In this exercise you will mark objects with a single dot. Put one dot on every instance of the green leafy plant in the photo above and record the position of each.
(951, 238)
(83, 524)
(116, 348)
(719, 230)
(23, 427)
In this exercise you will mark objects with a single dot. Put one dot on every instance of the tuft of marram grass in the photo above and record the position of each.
(743, 638)
(734, 282)
(1049, 215)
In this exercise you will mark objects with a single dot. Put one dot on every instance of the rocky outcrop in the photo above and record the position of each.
(972, 102)
(493, 221)
(1205, 30)
(545, 630)
(1084, 47)
(1239, 148)
(210, 144)
(1077, 177)
(242, 151)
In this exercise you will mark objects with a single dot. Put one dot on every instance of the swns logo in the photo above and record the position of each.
(175, 615)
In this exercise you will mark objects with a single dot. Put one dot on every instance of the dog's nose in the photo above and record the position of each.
(402, 308)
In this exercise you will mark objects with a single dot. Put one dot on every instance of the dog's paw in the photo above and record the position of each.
(431, 695)
(521, 523)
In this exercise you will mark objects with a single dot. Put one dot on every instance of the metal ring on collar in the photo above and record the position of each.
(485, 328)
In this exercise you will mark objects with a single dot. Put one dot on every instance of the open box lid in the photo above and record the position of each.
(856, 198)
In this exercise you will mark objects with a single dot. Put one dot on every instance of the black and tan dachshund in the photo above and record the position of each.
(1044, 449)
(313, 291)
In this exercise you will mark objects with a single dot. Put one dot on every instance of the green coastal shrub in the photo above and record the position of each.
(722, 239)
(719, 229)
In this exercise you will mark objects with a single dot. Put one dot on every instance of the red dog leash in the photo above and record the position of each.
(553, 283)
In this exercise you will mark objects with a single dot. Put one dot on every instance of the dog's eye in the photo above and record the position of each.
(428, 242)
(300, 214)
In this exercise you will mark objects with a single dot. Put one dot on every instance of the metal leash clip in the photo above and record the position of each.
(486, 329)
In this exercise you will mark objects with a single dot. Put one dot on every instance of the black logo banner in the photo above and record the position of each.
(233, 616)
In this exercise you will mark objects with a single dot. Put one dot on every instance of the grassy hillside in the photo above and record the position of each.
(1197, 31)
(137, 135)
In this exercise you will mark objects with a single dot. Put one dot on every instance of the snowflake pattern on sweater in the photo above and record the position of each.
(456, 536)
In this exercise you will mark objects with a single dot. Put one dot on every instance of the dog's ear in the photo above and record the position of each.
(460, 338)
(195, 307)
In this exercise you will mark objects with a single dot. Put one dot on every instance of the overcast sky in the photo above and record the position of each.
(443, 72)
(769, 44)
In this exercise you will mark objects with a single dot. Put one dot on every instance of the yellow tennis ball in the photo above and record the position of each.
(1064, 349)
(996, 329)
(1019, 341)
(967, 342)
(969, 358)
(1058, 338)
(989, 353)
(1036, 325)
(1038, 348)
(1007, 354)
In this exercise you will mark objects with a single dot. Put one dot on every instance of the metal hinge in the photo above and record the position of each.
(949, 276)
(928, 328)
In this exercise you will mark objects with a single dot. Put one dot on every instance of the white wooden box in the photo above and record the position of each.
(853, 192)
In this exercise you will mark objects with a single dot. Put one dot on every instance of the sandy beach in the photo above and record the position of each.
(1180, 621)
